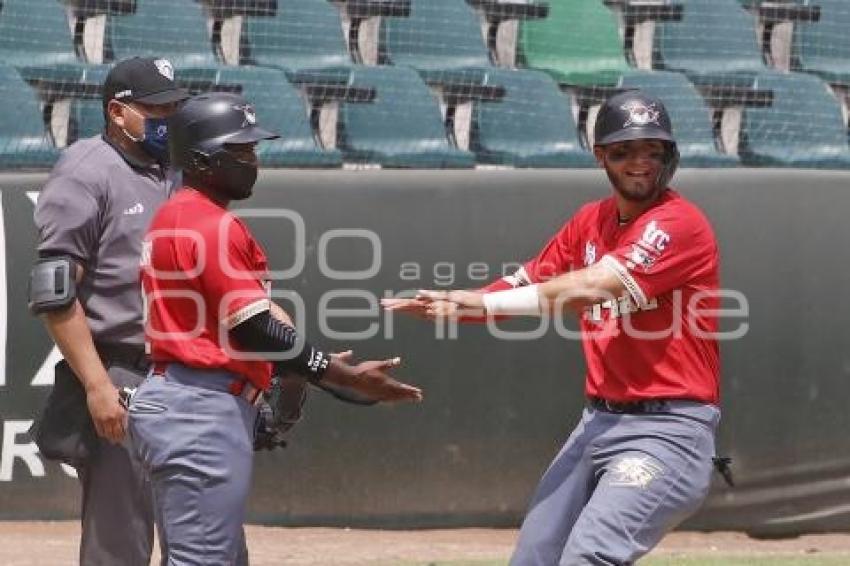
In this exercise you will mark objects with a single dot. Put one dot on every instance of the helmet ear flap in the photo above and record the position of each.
(671, 163)
(199, 161)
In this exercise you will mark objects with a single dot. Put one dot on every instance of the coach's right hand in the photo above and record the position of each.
(366, 383)
(108, 415)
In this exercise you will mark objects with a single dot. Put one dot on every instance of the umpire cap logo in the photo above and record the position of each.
(641, 114)
(165, 68)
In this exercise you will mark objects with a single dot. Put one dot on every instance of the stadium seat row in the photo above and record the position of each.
(448, 83)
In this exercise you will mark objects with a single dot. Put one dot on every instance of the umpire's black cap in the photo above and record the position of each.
(149, 80)
(632, 115)
(209, 121)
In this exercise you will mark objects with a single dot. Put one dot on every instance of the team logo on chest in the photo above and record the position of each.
(589, 254)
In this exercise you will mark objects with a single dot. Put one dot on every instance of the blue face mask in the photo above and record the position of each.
(155, 142)
(155, 139)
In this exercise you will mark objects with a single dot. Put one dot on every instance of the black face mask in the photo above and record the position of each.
(230, 177)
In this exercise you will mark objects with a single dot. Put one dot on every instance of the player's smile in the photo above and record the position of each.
(634, 166)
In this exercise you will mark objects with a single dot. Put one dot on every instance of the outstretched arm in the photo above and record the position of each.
(568, 292)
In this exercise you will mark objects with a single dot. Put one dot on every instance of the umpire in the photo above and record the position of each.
(91, 218)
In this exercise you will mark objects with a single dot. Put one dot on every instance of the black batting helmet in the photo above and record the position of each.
(635, 115)
(207, 122)
(632, 115)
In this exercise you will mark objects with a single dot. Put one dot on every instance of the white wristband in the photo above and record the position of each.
(519, 301)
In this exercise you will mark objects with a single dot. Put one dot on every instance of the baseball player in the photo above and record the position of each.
(215, 338)
(91, 218)
(641, 269)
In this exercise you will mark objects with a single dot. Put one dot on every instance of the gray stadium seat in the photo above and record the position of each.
(281, 109)
(35, 38)
(803, 128)
(35, 34)
(715, 41)
(175, 29)
(304, 38)
(401, 127)
(692, 120)
(823, 47)
(531, 126)
(23, 139)
(87, 118)
(439, 38)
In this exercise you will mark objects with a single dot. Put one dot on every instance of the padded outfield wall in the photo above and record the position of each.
(496, 410)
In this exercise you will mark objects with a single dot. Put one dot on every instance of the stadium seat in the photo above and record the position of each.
(87, 118)
(23, 139)
(578, 43)
(401, 127)
(823, 47)
(175, 29)
(35, 39)
(281, 109)
(441, 38)
(692, 120)
(304, 38)
(35, 34)
(803, 128)
(714, 42)
(531, 126)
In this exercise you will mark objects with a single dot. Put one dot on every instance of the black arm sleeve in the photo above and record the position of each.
(264, 333)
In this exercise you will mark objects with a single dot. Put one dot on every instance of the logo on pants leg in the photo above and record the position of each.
(635, 471)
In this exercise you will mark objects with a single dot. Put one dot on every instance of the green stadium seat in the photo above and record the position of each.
(714, 42)
(23, 139)
(578, 43)
(401, 127)
(281, 109)
(174, 29)
(531, 126)
(441, 38)
(692, 120)
(823, 47)
(803, 128)
(304, 38)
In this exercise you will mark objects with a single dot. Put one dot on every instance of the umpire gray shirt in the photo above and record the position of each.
(96, 207)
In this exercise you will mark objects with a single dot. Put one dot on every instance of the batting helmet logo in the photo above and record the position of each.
(640, 114)
(250, 115)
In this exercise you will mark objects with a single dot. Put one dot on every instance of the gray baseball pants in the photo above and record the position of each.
(618, 485)
(196, 440)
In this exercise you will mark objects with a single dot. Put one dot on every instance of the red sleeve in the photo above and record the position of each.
(233, 280)
(664, 250)
(553, 260)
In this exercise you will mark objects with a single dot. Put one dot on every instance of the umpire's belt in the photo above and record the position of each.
(629, 407)
(127, 355)
(213, 379)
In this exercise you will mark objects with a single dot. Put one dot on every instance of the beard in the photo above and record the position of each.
(635, 191)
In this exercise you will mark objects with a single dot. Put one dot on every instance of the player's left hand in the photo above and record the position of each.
(452, 303)
(366, 383)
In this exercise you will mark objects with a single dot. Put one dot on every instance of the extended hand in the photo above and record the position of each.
(108, 415)
(411, 306)
(452, 303)
(366, 383)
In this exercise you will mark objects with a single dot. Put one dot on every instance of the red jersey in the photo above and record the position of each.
(202, 274)
(658, 340)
